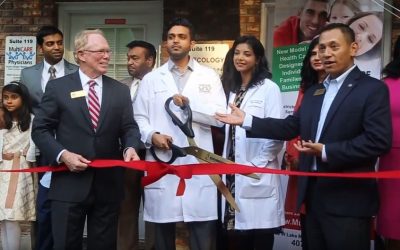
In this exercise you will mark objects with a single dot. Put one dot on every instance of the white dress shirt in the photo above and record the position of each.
(46, 75)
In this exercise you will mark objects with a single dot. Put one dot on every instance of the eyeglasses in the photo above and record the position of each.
(99, 52)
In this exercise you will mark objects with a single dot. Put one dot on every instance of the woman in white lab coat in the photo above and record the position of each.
(246, 76)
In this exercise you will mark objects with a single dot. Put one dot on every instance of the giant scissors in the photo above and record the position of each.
(201, 154)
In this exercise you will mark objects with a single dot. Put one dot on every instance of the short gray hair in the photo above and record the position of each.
(81, 39)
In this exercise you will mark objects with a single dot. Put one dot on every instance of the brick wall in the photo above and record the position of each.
(213, 20)
(23, 17)
(250, 17)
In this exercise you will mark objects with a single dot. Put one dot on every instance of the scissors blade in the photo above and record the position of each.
(224, 191)
(207, 156)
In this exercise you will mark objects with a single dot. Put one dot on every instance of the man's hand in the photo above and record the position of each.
(309, 147)
(180, 100)
(131, 155)
(236, 117)
(161, 141)
(75, 162)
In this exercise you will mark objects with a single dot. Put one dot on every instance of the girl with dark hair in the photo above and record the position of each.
(388, 219)
(368, 29)
(247, 78)
(312, 72)
(17, 198)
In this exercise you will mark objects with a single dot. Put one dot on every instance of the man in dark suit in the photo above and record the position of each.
(141, 59)
(344, 125)
(84, 116)
(50, 43)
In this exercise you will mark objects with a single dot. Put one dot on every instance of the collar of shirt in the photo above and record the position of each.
(173, 67)
(134, 88)
(339, 80)
(46, 75)
(58, 66)
(135, 81)
(85, 86)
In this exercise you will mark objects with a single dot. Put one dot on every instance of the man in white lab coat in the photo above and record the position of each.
(201, 86)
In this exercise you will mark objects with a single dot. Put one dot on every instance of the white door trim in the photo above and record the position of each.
(67, 9)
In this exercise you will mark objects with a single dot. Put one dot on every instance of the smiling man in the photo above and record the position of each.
(304, 27)
(50, 43)
(84, 116)
(183, 76)
(344, 125)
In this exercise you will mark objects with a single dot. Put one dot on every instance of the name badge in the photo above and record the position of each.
(204, 88)
(77, 94)
(319, 92)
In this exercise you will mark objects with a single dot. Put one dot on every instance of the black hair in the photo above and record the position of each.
(309, 76)
(24, 112)
(46, 31)
(231, 78)
(150, 49)
(392, 69)
(179, 21)
(344, 28)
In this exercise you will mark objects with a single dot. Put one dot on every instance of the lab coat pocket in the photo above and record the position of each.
(160, 90)
(204, 201)
(257, 191)
(154, 194)
(255, 107)
(254, 148)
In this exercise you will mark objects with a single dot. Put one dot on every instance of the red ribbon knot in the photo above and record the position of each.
(156, 172)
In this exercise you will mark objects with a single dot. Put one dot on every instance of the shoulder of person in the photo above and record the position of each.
(70, 65)
(156, 73)
(367, 80)
(33, 67)
(204, 68)
(127, 80)
(269, 83)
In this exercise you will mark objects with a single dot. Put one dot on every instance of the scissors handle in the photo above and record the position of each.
(186, 127)
(176, 152)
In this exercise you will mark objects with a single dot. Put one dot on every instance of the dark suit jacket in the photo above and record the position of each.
(357, 130)
(68, 119)
(32, 77)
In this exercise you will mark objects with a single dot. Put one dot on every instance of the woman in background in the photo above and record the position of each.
(247, 78)
(388, 219)
(312, 72)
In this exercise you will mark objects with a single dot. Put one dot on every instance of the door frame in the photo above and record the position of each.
(68, 9)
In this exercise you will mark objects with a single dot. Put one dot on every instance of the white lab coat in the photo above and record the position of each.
(206, 96)
(260, 201)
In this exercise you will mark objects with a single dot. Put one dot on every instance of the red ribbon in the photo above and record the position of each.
(156, 170)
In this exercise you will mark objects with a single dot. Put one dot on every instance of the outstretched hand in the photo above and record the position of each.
(236, 117)
(312, 148)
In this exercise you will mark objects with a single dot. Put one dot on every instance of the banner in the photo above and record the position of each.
(210, 54)
(296, 23)
(20, 52)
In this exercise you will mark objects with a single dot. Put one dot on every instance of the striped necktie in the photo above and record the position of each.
(52, 72)
(94, 104)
